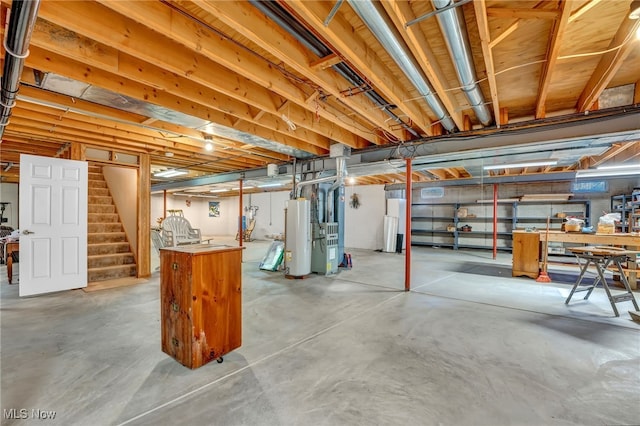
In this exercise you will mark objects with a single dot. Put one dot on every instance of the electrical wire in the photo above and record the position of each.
(628, 38)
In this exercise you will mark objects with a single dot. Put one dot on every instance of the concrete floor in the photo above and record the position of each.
(470, 345)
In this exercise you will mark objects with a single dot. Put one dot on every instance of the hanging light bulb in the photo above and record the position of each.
(208, 143)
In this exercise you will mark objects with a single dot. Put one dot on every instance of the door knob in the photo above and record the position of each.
(27, 232)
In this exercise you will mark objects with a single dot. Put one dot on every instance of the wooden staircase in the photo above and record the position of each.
(109, 252)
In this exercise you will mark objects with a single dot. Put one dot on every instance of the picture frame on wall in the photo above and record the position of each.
(214, 208)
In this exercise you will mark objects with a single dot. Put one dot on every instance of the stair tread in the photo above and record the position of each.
(106, 232)
(99, 256)
(113, 267)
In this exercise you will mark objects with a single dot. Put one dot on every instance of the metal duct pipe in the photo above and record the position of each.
(341, 172)
(23, 18)
(374, 16)
(280, 16)
(299, 185)
(454, 28)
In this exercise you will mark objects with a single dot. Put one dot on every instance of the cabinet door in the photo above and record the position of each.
(175, 306)
(526, 254)
(217, 318)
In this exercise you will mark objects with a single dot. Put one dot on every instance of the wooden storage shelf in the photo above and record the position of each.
(511, 215)
(483, 219)
(200, 302)
(461, 234)
(430, 243)
(430, 231)
(474, 246)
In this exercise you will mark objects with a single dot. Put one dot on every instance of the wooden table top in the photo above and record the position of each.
(602, 251)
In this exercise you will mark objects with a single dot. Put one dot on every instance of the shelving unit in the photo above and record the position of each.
(622, 204)
(634, 217)
(429, 222)
(533, 214)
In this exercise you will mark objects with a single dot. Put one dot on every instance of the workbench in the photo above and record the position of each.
(527, 249)
(601, 257)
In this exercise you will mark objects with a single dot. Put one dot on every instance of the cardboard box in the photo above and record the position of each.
(605, 229)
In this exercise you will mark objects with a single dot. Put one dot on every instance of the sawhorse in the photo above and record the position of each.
(602, 257)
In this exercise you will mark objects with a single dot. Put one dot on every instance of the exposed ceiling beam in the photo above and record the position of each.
(48, 61)
(485, 40)
(268, 35)
(84, 50)
(583, 9)
(553, 47)
(64, 104)
(623, 44)
(196, 35)
(522, 13)
(401, 13)
(511, 28)
(356, 52)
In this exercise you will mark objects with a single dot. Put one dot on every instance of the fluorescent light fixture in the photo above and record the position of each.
(604, 173)
(243, 188)
(270, 185)
(183, 194)
(522, 165)
(170, 173)
(219, 190)
(619, 167)
(352, 180)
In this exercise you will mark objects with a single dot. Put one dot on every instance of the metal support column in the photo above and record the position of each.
(407, 229)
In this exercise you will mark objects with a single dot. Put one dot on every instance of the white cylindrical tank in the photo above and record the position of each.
(390, 227)
(298, 238)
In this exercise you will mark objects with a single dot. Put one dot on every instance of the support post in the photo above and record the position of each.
(495, 221)
(164, 205)
(240, 230)
(144, 217)
(407, 229)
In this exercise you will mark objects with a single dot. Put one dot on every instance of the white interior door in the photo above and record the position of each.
(53, 224)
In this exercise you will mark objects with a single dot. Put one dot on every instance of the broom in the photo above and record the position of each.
(543, 277)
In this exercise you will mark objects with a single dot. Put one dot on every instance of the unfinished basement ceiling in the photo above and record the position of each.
(270, 82)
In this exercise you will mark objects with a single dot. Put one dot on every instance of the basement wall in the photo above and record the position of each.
(468, 194)
(9, 193)
(123, 185)
(363, 225)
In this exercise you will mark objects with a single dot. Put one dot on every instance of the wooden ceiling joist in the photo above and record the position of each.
(555, 40)
(213, 50)
(401, 13)
(622, 45)
(522, 13)
(356, 52)
(271, 37)
(485, 40)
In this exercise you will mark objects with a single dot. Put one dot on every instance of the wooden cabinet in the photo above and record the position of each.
(200, 302)
(526, 254)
